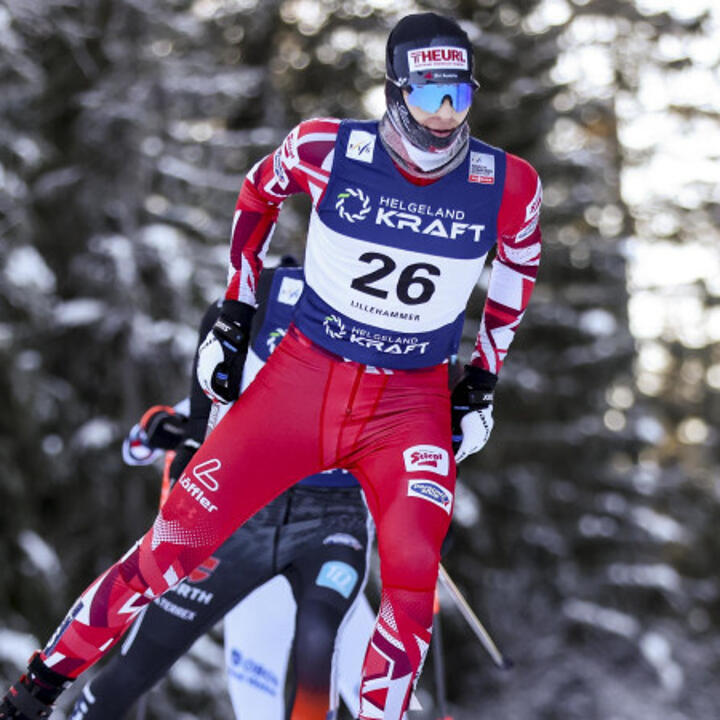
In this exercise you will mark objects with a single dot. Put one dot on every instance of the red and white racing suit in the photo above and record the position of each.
(311, 409)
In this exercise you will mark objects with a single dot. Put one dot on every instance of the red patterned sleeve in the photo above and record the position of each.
(301, 164)
(515, 266)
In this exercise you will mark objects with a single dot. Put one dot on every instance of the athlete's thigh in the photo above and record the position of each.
(267, 441)
(409, 480)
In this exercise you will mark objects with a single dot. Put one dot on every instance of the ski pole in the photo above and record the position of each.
(503, 662)
(439, 661)
(213, 417)
(217, 413)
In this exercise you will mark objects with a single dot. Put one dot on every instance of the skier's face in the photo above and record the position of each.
(441, 122)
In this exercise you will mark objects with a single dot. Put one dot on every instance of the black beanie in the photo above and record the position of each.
(429, 48)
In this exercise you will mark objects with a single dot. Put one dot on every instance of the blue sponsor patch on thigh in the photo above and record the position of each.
(432, 491)
(338, 576)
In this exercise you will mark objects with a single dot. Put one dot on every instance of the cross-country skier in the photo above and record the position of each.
(316, 535)
(405, 211)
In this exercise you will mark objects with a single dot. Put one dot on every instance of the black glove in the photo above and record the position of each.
(222, 354)
(164, 428)
(160, 428)
(472, 403)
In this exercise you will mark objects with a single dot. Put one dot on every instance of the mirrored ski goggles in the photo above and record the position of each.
(430, 97)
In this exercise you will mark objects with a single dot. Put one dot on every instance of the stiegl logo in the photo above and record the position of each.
(426, 458)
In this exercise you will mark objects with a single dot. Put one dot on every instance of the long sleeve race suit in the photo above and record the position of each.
(503, 195)
(359, 382)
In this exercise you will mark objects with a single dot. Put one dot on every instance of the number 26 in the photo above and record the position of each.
(409, 277)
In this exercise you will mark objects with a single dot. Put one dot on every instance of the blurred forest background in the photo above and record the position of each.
(587, 531)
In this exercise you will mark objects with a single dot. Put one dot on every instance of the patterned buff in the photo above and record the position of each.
(417, 162)
(395, 655)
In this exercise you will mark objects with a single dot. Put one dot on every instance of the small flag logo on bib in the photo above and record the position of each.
(482, 168)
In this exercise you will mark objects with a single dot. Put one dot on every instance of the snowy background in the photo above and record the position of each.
(587, 530)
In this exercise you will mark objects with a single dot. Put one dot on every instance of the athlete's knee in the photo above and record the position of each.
(409, 564)
(164, 557)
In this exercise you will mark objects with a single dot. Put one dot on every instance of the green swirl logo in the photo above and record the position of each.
(352, 204)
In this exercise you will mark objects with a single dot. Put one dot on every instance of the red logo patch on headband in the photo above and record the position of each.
(437, 58)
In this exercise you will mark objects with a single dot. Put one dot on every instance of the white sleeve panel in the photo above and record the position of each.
(506, 286)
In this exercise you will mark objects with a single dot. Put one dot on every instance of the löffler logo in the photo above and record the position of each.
(203, 473)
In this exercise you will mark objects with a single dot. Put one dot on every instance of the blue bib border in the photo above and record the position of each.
(369, 199)
(277, 315)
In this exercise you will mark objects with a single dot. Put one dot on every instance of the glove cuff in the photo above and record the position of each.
(237, 312)
(480, 379)
(233, 323)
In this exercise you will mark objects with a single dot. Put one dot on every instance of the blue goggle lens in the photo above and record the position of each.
(430, 97)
